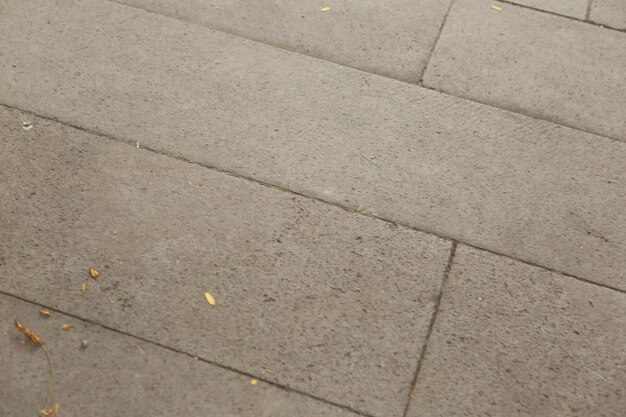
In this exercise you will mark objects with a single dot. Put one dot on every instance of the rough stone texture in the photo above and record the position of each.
(515, 340)
(609, 12)
(534, 63)
(391, 38)
(334, 303)
(116, 375)
(573, 8)
(524, 187)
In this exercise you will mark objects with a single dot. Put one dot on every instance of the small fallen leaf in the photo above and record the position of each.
(498, 8)
(254, 382)
(44, 313)
(67, 326)
(325, 9)
(83, 287)
(94, 273)
(36, 340)
(209, 298)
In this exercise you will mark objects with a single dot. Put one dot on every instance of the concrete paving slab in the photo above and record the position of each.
(333, 303)
(572, 8)
(609, 13)
(515, 340)
(533, 63)
(117, 375)
(391, 38)
(509, 183)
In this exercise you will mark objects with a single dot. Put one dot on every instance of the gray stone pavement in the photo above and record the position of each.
(546, 66)
(118, 375)
(374, 247)
(608, 12)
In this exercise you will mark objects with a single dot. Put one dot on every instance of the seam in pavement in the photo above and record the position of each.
(432, 49)
(517, 111)
(195, 357)
(588, 12)
(431, 325)
(585, 20)
(419, 84)
(167, 154)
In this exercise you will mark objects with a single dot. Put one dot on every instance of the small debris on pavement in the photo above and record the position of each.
(209, 298)
(136, 347)
(497, 8)
(45, 313)
(137, 145)
(45, 411)
(51, 411)
(254, 382)
(94, 273)
(27, 125)
(84, 344)
(67, 326)
(370, 158)
(83, 287)
(325, 9)
(36, 340)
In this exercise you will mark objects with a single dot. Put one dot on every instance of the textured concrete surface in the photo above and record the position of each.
(391, 38)
(117, 375)
(573, 8)
(514, 340)
(528, 188)
(609, 12)
(533, 63)
(334, 303)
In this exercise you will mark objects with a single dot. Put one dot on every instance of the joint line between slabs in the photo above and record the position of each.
(431, 325)
(313, 198)
(181, 352)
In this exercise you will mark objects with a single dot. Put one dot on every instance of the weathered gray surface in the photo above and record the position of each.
(334, 303)
(119, 376)
(513, 184)
(609, 12)
(514, 340)
(573, 8)
(391, 38)
(534, 63)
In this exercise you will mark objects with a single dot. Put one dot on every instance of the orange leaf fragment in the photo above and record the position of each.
(94, 273)
(36, 340)
(44, 313)
(67, 326)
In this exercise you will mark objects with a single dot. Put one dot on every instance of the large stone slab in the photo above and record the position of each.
(391, 38)
(534, 63)
(515, 340)
(573, 8)
(609, 12)
(116, 375)
(331, 302)
(528, 188)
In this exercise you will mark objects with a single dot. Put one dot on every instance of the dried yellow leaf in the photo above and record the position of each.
(325, 9)
(32, 336)
(94, 273)
(209, 298)
(254, 382)
(498, 8)
(67, 326)
(83, 287)
(44, 313)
